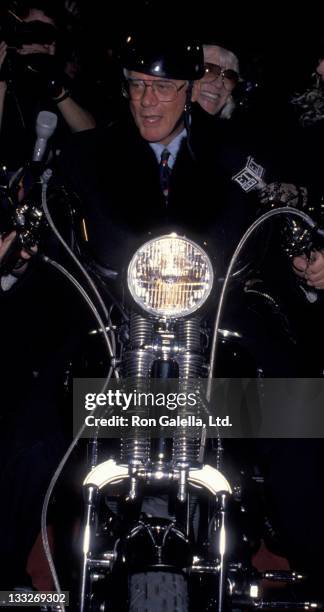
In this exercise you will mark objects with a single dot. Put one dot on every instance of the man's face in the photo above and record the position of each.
(158, 121)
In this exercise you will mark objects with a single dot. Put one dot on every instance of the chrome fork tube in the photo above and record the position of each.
(137, 364)
(190, 360)
(90, 493)
(222, 498)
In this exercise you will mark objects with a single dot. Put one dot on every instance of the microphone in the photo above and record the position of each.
(45, 127)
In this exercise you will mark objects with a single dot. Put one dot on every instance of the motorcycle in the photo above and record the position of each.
(162, 523)
(160, 516)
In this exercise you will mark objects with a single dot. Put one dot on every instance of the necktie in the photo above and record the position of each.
(165, 173)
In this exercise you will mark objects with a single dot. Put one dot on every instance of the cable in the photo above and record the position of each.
(87, 299)
(49, 492)
(45, 179)
(112, 370)
(284, 210)
(62, 463)
(229, 275)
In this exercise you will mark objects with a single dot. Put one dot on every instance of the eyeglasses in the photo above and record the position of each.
(213, 72)
(165, 91)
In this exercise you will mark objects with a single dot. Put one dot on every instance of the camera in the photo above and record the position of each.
(18, 33)
(28, 32)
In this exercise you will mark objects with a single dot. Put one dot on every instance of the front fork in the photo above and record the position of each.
(107, 474)
(186, 462)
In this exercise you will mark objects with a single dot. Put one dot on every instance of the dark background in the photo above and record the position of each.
(279, 40)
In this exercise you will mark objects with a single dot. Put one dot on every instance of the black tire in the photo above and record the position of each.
(158, 592)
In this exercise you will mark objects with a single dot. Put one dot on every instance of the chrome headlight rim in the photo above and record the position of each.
(162, 315)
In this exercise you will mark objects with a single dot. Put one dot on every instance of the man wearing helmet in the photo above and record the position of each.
(159, 86)
(117, 171)
(153, 115)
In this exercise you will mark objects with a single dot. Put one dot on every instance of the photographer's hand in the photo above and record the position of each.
(3, 52)
(3, 55)
(3, 84)
(5, 244)
(46, 49)
(20, 256)
(72, 7)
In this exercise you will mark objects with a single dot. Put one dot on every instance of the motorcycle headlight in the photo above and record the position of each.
(170, 276)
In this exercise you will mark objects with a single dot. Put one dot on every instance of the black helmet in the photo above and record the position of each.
(171, 59)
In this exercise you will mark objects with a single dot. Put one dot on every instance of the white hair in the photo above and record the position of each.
(230, 60)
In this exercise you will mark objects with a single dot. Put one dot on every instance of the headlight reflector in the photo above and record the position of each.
(170, 276)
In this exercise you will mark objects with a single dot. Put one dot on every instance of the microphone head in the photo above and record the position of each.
(46, 124)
